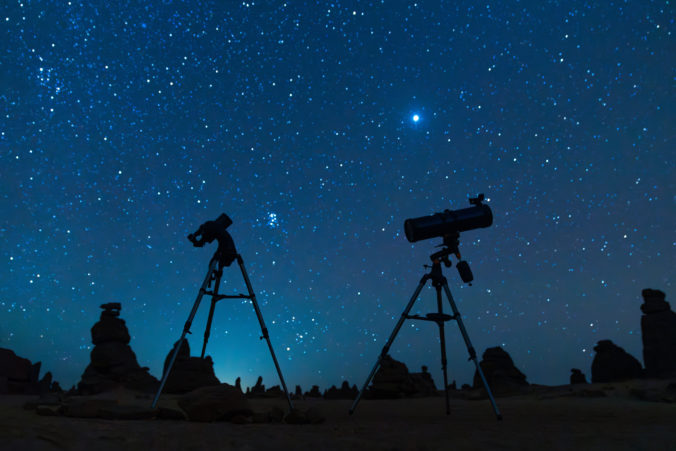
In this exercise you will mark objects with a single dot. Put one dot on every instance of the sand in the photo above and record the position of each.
(556, 423)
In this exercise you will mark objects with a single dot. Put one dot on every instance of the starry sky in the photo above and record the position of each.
(319, 127)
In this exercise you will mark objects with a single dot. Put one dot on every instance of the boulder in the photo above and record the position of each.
(658, 332)
(215, 403)
(612, 363)
(502, 375)
(577, 376)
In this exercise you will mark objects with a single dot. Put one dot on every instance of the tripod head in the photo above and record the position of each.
(450, 246)
(216, 230)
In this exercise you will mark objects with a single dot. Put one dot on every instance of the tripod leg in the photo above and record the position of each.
(264, 329)
(442, 339)
(386, 348)
(207, 330)
(470, 349)
(186, 330)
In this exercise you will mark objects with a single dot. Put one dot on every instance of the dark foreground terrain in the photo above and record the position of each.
(545, 421)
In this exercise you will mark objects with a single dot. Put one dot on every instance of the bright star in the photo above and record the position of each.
(416, 118)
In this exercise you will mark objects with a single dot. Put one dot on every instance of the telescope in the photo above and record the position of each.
(449, 222)
(216, 230)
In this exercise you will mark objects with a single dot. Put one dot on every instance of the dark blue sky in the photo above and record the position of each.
(125, 125)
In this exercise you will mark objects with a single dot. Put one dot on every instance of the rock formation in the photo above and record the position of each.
(344, 392)
(658, 330)
(113, 363)
(392, 380)
(314, 392)
(423, 383)
(188, 373)
(221, 402)
(20, 376)
(502, 375)
(577, 377)
(612, 363)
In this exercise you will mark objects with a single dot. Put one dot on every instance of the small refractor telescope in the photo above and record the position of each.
(449, 222)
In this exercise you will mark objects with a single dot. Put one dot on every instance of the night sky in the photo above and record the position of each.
(319, 128)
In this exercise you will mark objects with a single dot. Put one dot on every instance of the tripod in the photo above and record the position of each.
(438, 282)
(218, 261)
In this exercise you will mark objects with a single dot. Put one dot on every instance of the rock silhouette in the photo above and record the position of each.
(577, 377)
(612, 363)
(423, 383)
(344, 392)
(314, 392)
(221, 402)
(188, 373)
(392, 380)
(502, 375)
(113, 363)
(658, 331)
(20, 376)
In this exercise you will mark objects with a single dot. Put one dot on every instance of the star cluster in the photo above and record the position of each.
(319, 128)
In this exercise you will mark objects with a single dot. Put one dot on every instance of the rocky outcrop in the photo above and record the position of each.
(577, 377)
(20, 376)
(215, 403)
(502, 375)
(392, 380)
(658, 331)
(188, 373)
(612, 363)
(423, 384)
(344, 392)
(314, 392)
(113, 363)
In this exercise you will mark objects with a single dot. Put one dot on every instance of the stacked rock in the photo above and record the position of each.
(502, 375)
(658, 329)
(113, 363)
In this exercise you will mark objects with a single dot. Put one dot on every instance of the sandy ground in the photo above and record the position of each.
(610, 423)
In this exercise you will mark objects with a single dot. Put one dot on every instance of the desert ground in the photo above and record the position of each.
(606, 418)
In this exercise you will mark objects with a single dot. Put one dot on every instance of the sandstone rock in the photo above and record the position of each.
(502, 375)
(423, 383)
(298, 394)
(658, 331)
(19, 375)
(345, 392)
(215, 403)
(86, 407)
(577, 377)
(189, 373)
(392, 380)
(612, 363)
(314, 392)
(113, 363)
